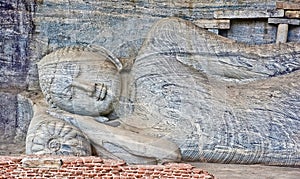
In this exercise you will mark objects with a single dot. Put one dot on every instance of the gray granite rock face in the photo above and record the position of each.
(16, 30)
(16, 114)
(31, 29)
(8, 105)
(121, 27)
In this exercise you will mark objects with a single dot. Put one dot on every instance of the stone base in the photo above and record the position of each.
(91, 167)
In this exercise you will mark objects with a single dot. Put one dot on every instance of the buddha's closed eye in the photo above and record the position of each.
(98, 90)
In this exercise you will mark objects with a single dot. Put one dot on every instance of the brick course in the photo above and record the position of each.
(95, 167)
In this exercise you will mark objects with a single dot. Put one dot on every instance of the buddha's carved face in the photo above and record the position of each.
(85, 85)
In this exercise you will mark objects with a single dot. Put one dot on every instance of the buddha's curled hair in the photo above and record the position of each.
(60, 55)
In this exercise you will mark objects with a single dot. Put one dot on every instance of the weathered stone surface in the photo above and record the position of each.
(99, 22)
(8, 116)
(15, 33)
(294, 35)
(213, 24)
(246, 14)
(31, 29)
(16, 29)
(15, 116)
(173, 94)
(283, 21)
(53, 136)
(292, 14)
(216, 31)
(288, 5)
(190, 91)
(260, 32)
(279, 5)
(24, 116)
(35, 162)
(282, 33)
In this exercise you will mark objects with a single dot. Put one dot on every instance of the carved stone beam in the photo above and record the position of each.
(283, 21)
(213, 25)
(292, 14)
(247, 14)
(288, 5)
(292, 9)
(283, 27)
(37, 162)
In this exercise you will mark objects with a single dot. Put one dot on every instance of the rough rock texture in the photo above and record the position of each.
(31, 29)
(15, 37)
(9, 112)
(190, 98)
(213, 109)
(259, 33)
(121, 26)
(16, 114)
(16, 30)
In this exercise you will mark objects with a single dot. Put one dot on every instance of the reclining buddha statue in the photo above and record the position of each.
(189, 95)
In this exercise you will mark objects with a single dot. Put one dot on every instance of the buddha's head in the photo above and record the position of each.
(83, 81)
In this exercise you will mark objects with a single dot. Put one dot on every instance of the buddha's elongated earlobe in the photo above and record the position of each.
(108, 54)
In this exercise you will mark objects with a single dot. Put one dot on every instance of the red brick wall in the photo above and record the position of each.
(95, 167)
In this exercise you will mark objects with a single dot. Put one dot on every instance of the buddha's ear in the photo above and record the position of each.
(108, 54)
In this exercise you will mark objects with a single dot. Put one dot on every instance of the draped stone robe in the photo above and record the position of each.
(218, 100)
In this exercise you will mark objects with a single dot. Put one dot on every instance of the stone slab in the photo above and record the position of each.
(282, 33)
(292, 14)
(283, 21)
(213, 23)
(247, 14)
(41, 162)
(279, 5)
(288, 5)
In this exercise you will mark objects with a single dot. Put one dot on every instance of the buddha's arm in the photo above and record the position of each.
(131, 143)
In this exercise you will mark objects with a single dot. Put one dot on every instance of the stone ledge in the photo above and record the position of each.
(37, 162)
(283, 21)
(213, 23)
(247, 14)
